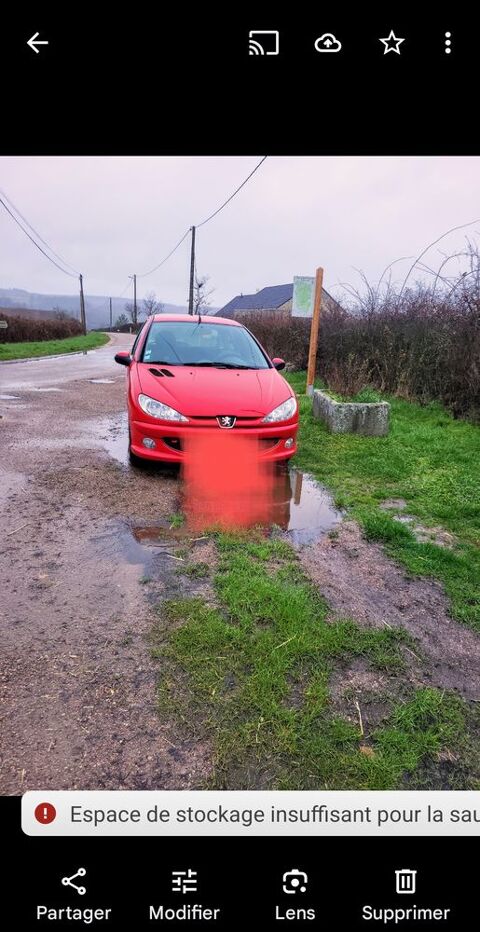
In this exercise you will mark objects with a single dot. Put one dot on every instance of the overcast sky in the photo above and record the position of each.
(110, 217)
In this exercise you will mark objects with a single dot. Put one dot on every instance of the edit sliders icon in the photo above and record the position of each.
(264, 42)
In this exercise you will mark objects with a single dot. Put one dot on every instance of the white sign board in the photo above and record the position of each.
(303, 296)
(3, 324)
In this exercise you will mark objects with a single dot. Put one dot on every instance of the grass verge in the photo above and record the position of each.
(429, 459)
(51, 347)
(252, 674)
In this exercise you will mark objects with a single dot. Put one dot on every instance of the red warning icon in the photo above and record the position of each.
(45, 813)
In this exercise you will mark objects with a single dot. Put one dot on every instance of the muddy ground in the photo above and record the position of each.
(78, 703)
(78, 687)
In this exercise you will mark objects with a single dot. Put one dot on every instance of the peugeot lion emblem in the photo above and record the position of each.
(226, 420)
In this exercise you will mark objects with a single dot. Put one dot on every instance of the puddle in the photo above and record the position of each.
(8, 397)
(111, 433)
(46, 389)
(117, 544)
(299, 507)
(310, 511)
(160, 535)
(289, 499)
(101, 381)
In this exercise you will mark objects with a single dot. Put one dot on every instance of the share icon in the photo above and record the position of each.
(68, 881)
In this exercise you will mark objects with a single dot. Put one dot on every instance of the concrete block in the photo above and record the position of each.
(352, 417)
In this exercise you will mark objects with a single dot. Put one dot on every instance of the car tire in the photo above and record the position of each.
(134, 460)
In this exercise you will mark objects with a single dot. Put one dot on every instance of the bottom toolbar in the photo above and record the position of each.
(229, 883)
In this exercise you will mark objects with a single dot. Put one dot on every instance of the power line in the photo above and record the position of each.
(127, 286)
(71, 274)
(37, 234)
(242, 185)
(166, 257)
(207, 220)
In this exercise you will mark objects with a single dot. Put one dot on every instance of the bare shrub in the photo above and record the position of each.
(421, 344)
(281, 335)
(21, 329)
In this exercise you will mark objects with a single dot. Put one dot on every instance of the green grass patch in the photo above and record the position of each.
(232, 674)
(194, 570)
(52, 347)
(176, 520)
(429, 459)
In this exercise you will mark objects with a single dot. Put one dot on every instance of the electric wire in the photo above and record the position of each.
(73, 274)
(242, 185)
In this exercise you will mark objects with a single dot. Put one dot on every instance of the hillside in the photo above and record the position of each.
(27, 303)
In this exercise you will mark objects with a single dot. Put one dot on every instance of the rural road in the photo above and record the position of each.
(57, 370)
(77, 684)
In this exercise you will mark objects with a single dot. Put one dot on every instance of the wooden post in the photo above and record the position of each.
(312, 352)
(192, 273)
(83, 320)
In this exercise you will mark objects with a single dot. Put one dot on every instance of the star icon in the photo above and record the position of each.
(391, 43)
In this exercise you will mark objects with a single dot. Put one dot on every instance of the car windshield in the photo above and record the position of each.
(190, 343)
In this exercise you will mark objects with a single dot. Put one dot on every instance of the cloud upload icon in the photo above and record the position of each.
(328, 43)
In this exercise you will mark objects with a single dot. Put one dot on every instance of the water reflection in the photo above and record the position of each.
(227, 485)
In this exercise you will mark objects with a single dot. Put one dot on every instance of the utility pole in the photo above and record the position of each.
(111, 318)
(82, 307)
(312, 352)
(192, 273)
(135, 300)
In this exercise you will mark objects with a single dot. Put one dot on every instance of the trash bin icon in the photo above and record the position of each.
(405, 880)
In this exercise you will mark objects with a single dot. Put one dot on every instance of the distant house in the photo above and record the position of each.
(278, 298)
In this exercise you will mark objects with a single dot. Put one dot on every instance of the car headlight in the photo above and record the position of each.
(283, 413)
(157, 409)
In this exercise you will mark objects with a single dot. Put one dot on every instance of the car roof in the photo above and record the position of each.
(188, 318)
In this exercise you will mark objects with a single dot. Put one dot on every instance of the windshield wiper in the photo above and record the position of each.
(159, 362)
(220, 365)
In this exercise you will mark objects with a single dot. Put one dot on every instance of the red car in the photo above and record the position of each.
(190, 374)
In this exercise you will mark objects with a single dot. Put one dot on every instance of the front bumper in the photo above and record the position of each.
(172, 441)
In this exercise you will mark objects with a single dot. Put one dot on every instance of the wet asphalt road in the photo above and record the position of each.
(58, 370)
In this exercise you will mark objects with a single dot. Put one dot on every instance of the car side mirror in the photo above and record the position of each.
(123, 358)
(278, 363)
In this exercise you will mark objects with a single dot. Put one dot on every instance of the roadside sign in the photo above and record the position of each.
(303, 296)
(3, 324)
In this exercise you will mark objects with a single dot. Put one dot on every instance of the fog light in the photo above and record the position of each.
(149, 443)
(289, 443)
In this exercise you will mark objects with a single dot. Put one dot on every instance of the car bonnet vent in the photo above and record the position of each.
(162, 372)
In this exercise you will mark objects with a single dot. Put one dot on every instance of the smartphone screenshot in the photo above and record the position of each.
(239, 469)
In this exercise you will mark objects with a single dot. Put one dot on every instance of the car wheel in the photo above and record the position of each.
(133, 458)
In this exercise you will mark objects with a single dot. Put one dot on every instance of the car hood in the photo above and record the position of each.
(208, 392)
